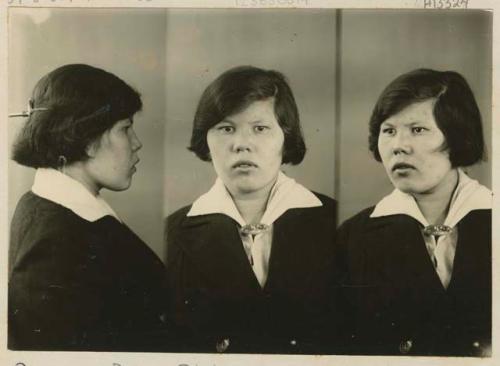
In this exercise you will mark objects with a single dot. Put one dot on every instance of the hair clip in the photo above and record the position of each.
(28, 112)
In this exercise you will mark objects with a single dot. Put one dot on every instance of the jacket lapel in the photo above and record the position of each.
(396, 246)
(297, 249)
(212, 243)
(472, 264)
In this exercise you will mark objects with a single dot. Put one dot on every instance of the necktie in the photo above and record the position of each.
(252, 236)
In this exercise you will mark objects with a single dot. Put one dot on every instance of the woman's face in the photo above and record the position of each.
(113, 157)
(246, 149)
(411, 147)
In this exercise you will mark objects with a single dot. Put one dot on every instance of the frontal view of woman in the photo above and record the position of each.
(79, 278)
(250, 261)
(418, 264)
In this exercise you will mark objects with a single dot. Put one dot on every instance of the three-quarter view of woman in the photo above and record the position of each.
(250, 261)
(79, 278)
(418, 264)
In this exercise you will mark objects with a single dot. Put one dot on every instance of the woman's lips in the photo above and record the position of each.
(133, 168)
(402, 167)
(244, 164)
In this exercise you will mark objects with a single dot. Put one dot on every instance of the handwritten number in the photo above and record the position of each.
(446, 4)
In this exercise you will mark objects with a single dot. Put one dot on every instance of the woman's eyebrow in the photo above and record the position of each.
(417, 122)
(411, 122)
(225, 120)
(257, 121)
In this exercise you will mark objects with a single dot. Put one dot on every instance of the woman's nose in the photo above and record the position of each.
(136, 143)
(401, 144)
(242, 141)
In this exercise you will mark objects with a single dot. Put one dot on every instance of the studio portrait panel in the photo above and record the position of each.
(86, 117)
(250, 178)
(416, 245)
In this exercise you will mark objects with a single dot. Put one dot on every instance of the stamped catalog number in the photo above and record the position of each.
(446, 4)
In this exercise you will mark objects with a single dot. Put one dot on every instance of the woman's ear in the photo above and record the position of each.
(92, 148)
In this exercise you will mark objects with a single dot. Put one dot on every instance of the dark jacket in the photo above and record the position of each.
(216, 296)
(80, 285)
(398, 303)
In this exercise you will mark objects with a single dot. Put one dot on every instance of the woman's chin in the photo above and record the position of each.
(405, 186)
(245, 189)
(249, 186)
(120, 186)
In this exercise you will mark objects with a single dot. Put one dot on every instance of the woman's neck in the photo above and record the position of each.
(77, 172)
(435, 204)
(251, 210)
(252, 205)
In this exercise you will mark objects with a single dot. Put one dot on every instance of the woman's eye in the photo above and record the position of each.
(261, 128)
(418, 130)
(388, 131)
(226, 129)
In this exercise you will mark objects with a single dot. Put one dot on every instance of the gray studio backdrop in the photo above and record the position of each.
(337, 63)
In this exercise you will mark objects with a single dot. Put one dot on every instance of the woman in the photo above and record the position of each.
(249, 262)
(79, 278)
(418, 264)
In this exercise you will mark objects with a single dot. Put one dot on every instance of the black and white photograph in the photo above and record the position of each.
(245, 182)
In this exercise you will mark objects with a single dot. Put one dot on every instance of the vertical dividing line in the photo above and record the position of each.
(338, 100)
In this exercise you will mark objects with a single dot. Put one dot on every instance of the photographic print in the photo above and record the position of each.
(241, 182)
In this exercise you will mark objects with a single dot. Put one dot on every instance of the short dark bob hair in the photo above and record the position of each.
(236, 89)
(455, 111)
(73, 106)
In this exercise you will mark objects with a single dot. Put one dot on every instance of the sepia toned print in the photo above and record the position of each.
(393, 279)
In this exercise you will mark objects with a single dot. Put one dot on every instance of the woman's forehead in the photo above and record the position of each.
(417, 112)
(253, 110)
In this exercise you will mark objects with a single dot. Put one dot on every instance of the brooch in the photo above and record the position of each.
(253, 229)
(437, 230)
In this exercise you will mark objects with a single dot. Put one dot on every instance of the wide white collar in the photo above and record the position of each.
(68, 192)
(285, 194)
(468, 196)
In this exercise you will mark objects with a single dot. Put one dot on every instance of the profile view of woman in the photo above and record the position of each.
(79, 278)
(418, 264)
(250, 261)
